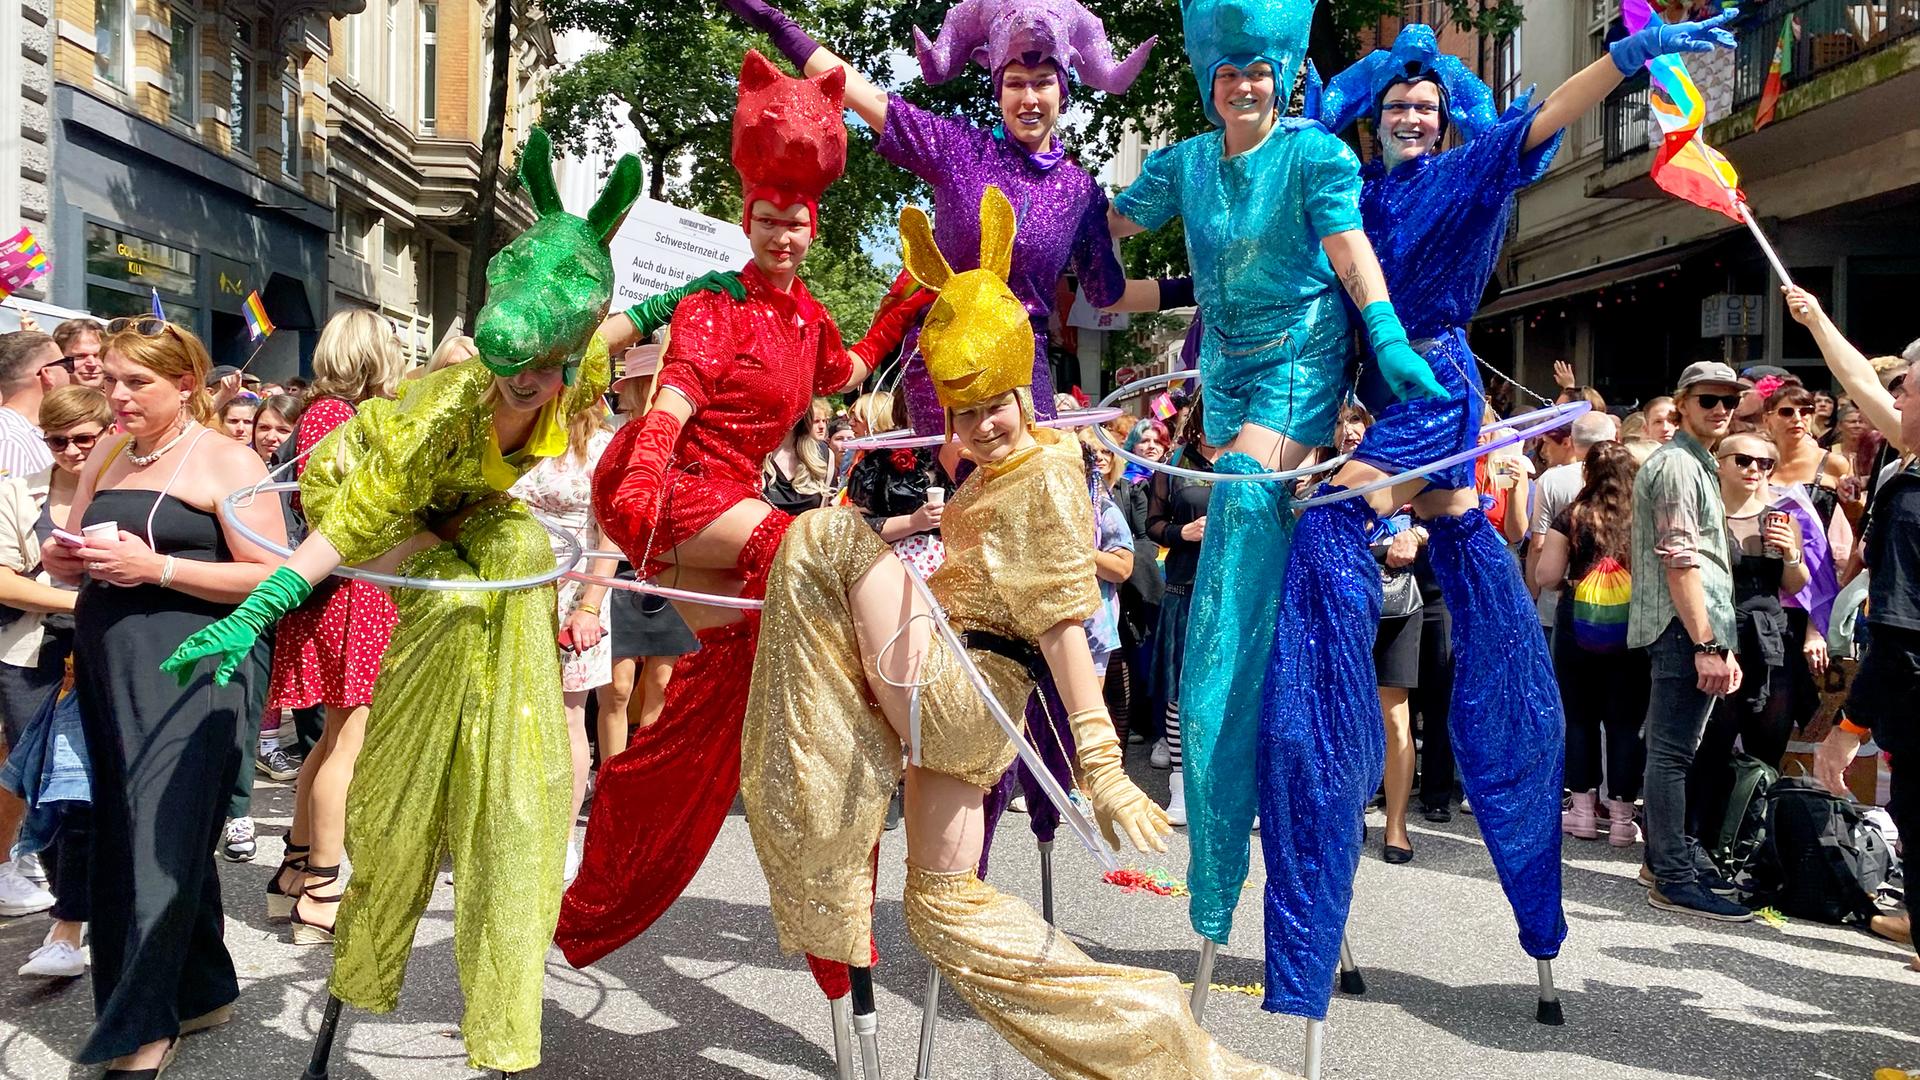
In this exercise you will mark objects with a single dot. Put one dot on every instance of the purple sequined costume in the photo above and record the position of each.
(1063, 227)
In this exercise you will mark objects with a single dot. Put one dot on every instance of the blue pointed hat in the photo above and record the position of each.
(1239, 32)
(1416, 53)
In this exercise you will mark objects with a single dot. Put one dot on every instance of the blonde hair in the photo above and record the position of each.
(1633, 427)
(584, 425)
(874, 410)
(818, 409)
(357, 357)
(813, 469)
(452, 351)
(174, 354)
(71, 405)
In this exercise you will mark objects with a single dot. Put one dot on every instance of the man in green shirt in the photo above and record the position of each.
(1682, 614)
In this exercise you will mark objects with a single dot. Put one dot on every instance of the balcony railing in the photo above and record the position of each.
(1831, 34)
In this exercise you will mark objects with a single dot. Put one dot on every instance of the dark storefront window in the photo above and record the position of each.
(123, 270)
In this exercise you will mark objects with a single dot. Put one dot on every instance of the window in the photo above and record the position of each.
(1507, 68)
(290, 129)
(350, 229)
(1603, 27)
(350, 49)
(182, 63)
(1431, 12)
(110, 40)
(390, 68)
(429, 33)
(393, 242)
(240, 91)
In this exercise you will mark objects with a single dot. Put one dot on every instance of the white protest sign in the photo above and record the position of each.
(660, 247)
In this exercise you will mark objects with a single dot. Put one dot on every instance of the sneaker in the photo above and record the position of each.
(18, 895)
(573, 861)
(1707, 880)
(1018, 804)
(32, 868)
(237, 844)
(1693, 898)
(56, 960)
(1160, 757)
(1177, 803)
(277, 764)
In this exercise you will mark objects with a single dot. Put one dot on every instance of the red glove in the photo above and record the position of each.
(899, 311)
(626, 486)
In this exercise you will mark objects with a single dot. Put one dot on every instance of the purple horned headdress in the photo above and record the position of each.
(994, 33)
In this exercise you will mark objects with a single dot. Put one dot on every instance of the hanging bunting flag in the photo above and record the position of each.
(158, 311)
(1777, 72)
(258, 325)
(22, 260)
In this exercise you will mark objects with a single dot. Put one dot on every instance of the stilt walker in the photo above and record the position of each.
(1437, 221)
(464, 748)
(1272, 214)
(854, 672)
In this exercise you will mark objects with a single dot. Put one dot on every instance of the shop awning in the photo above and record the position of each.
(1600, 276)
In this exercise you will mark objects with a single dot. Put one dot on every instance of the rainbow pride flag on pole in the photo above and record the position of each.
(1684, 165)
(22, 260)
(258, 325)
(1777, 73)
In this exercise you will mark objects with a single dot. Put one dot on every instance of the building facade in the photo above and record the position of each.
(26, 122)
(1629, 284)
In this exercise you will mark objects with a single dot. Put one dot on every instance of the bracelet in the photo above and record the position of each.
(167, 567)
(1855, 730)
(588, 608)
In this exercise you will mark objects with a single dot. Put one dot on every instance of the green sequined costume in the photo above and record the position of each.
(466, 746)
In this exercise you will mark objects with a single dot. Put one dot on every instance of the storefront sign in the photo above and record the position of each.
(122, 256)
(660, 247)
(1732, 315)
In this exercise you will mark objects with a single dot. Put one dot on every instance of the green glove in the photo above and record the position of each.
(657, 311)
(1410, 376)
(233, 637)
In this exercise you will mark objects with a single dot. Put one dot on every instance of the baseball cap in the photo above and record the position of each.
(1756, 372)
(1711, 371)
(222, 372)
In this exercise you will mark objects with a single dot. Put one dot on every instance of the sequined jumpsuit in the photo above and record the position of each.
(1274, 353)
(749, 368)
(821, 763)
(466, 746)
(1437, 224)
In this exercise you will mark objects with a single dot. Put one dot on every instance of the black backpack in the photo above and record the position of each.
(1819, 859)
(1742, 830)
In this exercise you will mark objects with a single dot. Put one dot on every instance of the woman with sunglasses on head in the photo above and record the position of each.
(158, 563)
(36, 642)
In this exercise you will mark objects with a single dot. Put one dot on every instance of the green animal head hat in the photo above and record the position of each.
(548, 289)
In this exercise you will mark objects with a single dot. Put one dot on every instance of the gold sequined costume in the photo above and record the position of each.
(466, 746)
(820, 763)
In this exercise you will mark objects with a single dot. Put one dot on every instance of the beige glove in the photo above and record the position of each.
(1116, 800)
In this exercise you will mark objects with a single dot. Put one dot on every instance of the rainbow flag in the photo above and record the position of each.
(1162, 406)
(1777, 73)
(22, 260)
(258, 325)
(1685, 165)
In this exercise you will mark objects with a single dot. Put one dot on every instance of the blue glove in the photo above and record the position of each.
(1657, 38)
(1405, 370)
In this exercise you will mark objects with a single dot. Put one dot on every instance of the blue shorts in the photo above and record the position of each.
(1408, 434)
(1290, 380)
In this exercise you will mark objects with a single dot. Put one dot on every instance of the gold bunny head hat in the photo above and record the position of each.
(977, 338)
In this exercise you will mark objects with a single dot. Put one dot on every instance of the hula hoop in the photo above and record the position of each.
(738, 603)
(907, 439)
(1151, 381)
(571, 544)
(1551, 417)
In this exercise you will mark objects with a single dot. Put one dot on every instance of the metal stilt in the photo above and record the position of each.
(866, 1025)
(323, 1041)
(840, 1015)
(1548, 1011)
(1046, 881)
(1203, 977)
(1316, 1041)
(929, 1015)
(1351, 981)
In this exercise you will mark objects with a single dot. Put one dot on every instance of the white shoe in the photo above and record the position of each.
(56, 960)
(1018, 804)
(32, 868)
(1256, 823)
(19, 896)
(1177, 803)
(573, 862)
(1160, 757)
(237, 844)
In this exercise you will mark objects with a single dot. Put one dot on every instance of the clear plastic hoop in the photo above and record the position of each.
(570, 544)
(666, 592)
(1138, 385)
(1525, 426)
(907, 439)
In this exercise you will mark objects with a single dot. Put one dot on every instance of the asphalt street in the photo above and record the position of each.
(707, 994)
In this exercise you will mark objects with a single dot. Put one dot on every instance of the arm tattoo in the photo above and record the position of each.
(1355, 284)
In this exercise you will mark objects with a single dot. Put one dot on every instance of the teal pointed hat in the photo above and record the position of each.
(1240, 32)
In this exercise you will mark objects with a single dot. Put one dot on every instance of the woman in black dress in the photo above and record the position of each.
(157, 564)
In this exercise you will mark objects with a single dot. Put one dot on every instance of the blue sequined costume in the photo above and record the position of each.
(1437, 224)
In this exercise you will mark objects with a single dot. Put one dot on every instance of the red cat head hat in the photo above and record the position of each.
(789, 141)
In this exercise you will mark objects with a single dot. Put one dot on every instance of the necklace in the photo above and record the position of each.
(143, 460)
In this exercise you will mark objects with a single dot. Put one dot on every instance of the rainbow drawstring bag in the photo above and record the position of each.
(1600, 601)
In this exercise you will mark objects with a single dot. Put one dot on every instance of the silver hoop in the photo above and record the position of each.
(562, 566)
(1525, 428)
(686, 596)
(1135, 387)
(907, 439)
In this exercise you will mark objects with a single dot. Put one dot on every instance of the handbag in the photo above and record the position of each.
(1400, 593)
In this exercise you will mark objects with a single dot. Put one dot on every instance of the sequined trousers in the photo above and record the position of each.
(466, 749)
(1322, 748)
(1236, 594)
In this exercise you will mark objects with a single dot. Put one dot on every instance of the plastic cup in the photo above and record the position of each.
(108, 529)
(936, 496)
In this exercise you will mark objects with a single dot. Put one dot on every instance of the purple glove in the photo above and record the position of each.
(793, 42)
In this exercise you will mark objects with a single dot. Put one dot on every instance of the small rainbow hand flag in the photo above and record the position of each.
(258, 325)
(21, 261)
(1163, 406)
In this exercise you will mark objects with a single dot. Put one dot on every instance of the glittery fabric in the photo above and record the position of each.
(1236, 595)
(466, 749)
(996, 33)
(1276, 346)
(976, 337)
(789, 139)
(923, 405)
(1322, 751)
(1047, 727)
(1062, 216)
(1357, 91)
(1074, 1017)
(1508, 729)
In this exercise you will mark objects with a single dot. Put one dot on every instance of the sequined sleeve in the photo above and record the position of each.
(922, 143)
(1041, 551)
(387, 462)
(1333, 184)
(1497, 163)
(834, 369)
(1153, 199)
(1093, 260)
(596, 372)
(701, 348)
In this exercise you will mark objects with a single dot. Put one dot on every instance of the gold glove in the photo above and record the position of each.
(1116, 799)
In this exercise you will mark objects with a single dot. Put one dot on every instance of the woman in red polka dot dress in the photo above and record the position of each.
(327, 651)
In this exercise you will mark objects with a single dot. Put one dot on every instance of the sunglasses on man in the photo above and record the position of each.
(1710, 402)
